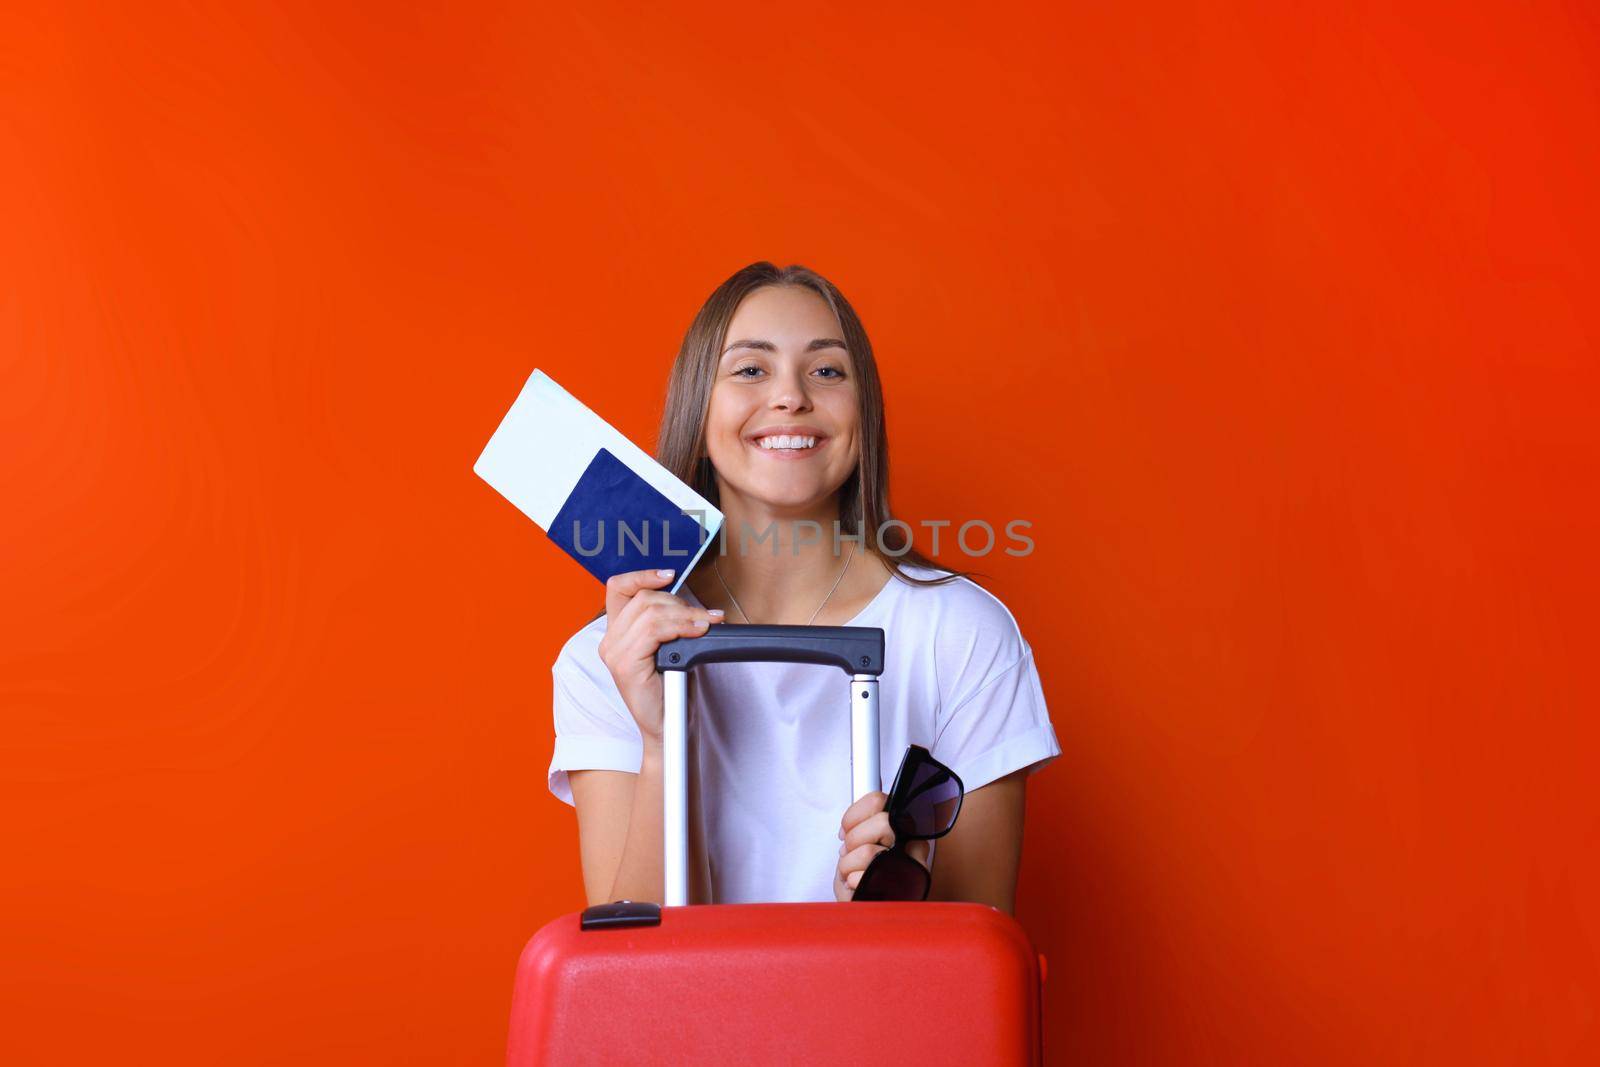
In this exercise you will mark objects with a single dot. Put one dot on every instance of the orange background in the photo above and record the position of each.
(1273, 322)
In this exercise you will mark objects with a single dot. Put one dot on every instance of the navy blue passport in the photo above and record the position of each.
(615, 521)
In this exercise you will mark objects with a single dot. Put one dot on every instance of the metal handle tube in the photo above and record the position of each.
(675, 786)
(865, 773)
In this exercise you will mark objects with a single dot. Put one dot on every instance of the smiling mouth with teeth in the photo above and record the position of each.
(785, 443)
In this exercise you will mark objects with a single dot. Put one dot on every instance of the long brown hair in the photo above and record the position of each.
(864, 496)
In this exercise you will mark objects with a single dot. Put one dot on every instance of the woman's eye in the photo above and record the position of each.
(828, 373)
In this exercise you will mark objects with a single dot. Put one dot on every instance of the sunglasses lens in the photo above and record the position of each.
(931, 802)
(893, 875)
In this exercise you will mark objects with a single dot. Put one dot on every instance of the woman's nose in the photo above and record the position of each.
(789, 394)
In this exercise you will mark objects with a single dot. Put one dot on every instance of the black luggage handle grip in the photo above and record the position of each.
(853, 649)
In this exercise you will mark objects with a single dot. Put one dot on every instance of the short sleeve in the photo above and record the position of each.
(1001, 726)
(594, 729)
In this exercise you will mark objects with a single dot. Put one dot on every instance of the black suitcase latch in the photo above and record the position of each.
(620, 913)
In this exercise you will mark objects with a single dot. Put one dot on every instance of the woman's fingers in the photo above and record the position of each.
(620, 588)
(917, 850)
(651, 618)
(664, 625)
(853, 863)
(857, 859)
(641, 604)
(868, 805)
(874, 828)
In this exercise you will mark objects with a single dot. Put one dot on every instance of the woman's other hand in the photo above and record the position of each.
(640, 618)
(865, 832)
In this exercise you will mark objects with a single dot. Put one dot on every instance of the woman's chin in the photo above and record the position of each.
(790, 498)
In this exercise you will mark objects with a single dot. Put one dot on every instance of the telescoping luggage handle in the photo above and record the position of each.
(856, 650)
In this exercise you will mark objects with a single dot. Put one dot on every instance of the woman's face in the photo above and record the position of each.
(784, 373)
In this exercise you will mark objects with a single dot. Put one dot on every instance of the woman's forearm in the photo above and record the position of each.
(640, 872)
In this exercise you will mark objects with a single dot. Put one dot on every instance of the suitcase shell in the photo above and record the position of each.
(922, 983)
(905, 982)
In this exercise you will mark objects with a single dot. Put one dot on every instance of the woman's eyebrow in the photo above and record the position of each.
(768, 346)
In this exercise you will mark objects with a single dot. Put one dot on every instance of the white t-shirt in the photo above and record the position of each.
(772, 740)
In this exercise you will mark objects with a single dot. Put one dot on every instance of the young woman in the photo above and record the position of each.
(774, 413)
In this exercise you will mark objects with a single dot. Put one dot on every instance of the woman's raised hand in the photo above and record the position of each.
(865, 832)
(640, 617)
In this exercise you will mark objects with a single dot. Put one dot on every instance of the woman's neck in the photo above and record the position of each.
(780, 569)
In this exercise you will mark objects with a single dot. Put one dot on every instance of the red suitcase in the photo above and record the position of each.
(916, 982)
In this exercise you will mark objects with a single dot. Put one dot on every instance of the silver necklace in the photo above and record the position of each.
(820, 606)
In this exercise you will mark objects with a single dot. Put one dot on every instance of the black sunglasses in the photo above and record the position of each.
(923, 804)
